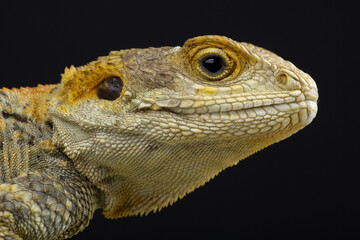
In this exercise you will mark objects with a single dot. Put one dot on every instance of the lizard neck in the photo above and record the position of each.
(25, 133)
(26, 103)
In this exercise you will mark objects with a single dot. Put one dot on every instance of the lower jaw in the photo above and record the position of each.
(260, 121)
(257, 121)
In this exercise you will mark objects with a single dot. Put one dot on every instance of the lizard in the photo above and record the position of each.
(134, 131)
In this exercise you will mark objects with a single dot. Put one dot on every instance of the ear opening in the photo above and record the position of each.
(77, 82)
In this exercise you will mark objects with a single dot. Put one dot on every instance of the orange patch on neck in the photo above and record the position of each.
(31, 102)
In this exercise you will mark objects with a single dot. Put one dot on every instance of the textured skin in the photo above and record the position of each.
(64, 152)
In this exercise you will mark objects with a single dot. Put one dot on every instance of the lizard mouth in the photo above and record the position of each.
(244, 107)
(231, 115)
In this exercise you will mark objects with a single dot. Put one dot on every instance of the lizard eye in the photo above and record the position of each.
(213, 64)
(110, 88)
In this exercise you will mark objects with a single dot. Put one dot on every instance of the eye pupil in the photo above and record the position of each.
(110, 88)
(213, 64)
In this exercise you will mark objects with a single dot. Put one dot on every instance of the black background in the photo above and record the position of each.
(305, 186)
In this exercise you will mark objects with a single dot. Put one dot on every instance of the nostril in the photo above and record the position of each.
(282, 78)
(287, 81)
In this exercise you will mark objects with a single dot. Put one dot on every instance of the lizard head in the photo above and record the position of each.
(148, 126)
